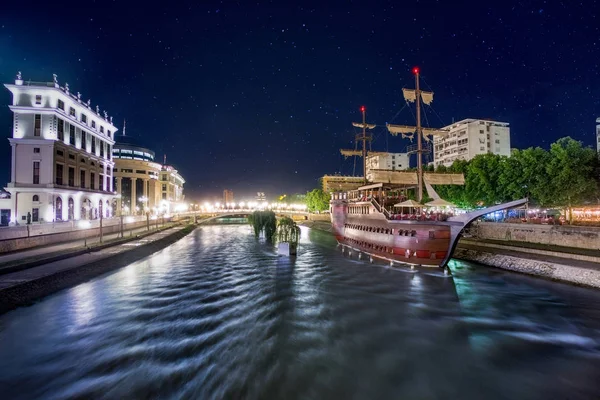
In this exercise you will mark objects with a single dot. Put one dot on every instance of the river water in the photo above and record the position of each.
(218, 315)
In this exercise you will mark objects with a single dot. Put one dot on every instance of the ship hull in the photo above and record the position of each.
(424, 243)
(360, 225)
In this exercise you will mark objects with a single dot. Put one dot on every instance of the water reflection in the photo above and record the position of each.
(220, 315)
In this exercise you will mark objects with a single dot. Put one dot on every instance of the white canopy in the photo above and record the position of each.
(408, 203)
(439, 203)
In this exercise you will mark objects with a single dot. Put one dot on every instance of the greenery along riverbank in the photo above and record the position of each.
(565, 176)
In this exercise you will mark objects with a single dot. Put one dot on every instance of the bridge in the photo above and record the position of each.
(244, 213)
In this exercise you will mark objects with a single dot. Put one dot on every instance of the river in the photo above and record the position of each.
(218, 315)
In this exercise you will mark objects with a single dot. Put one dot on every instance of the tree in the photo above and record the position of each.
(572, 174)
(317, 200)
(265, 222)
(523, 174)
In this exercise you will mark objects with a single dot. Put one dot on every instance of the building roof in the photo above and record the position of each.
(470, 120)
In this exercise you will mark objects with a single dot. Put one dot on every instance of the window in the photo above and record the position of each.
(60, 153)
(94, 124)
(108, 133)
(164, 187)
(37, 125)
(71, 111)
(35, 214)
(101, 129)
(61, 105)
(164, 196)
(100, 180)
(82, 178)
(36, 172)
(84, 118)
(92, 181)
(36, 149)
(82, 160)
(71, 176)
(101, 149)
(84, 140)
(498, 141)
(482, 148)
(71, 156)
(481, 131)
(93, 145)
(59, 174)
(38, 99)
(139, 171)
(35, 198)
(72, 135)
(61, 130)
(107, 183)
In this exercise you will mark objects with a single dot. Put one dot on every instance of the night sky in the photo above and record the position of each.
(259, 96)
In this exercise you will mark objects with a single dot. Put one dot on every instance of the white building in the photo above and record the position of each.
(389, 161)
(467, 138)
(598, 134)
(62, 164)
(171, 190)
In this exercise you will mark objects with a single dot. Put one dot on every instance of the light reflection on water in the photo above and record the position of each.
(218, 315)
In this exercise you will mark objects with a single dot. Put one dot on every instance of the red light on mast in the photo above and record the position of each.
(362, 108)
(416, 70)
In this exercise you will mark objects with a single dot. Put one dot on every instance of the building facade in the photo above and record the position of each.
(465, 139)
(136, 179)
(227, 196)
(62, 164)
(171, 189)
(388, 161)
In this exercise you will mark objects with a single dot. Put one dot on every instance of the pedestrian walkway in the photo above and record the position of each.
(31, 274)
(42, 252)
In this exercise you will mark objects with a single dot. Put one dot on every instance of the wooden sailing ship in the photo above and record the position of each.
(362, 223)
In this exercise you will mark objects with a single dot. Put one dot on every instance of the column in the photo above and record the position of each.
(133, 195)
(146, 203)
(119, 191)
(65, 207)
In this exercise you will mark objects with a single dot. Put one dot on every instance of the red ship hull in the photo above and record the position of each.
(361, 226)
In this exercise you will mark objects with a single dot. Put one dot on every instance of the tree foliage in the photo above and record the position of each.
(317, 200)
(288, 230)
(263, 222)
(562, 177)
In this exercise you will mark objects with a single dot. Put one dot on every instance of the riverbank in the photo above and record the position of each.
(564, 264)
(24, 287)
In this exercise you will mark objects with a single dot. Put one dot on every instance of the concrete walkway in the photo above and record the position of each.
(41, 252)
(32, 274)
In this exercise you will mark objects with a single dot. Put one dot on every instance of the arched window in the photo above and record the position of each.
(35, 198)
(71, 204)
(58, 209)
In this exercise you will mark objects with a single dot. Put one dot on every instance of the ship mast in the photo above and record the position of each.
(364, 137)
(416, 95)
(419, 140)
(364, 142)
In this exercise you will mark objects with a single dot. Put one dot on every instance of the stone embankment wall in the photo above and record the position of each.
(558, 235)
(551, 270)
(319, 217)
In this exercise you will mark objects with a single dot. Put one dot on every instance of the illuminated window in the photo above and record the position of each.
(38, 99)
(71, 111)
(37, 125)
(36, 172)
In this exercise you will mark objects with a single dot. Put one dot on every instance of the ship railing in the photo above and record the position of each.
(381, 209)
